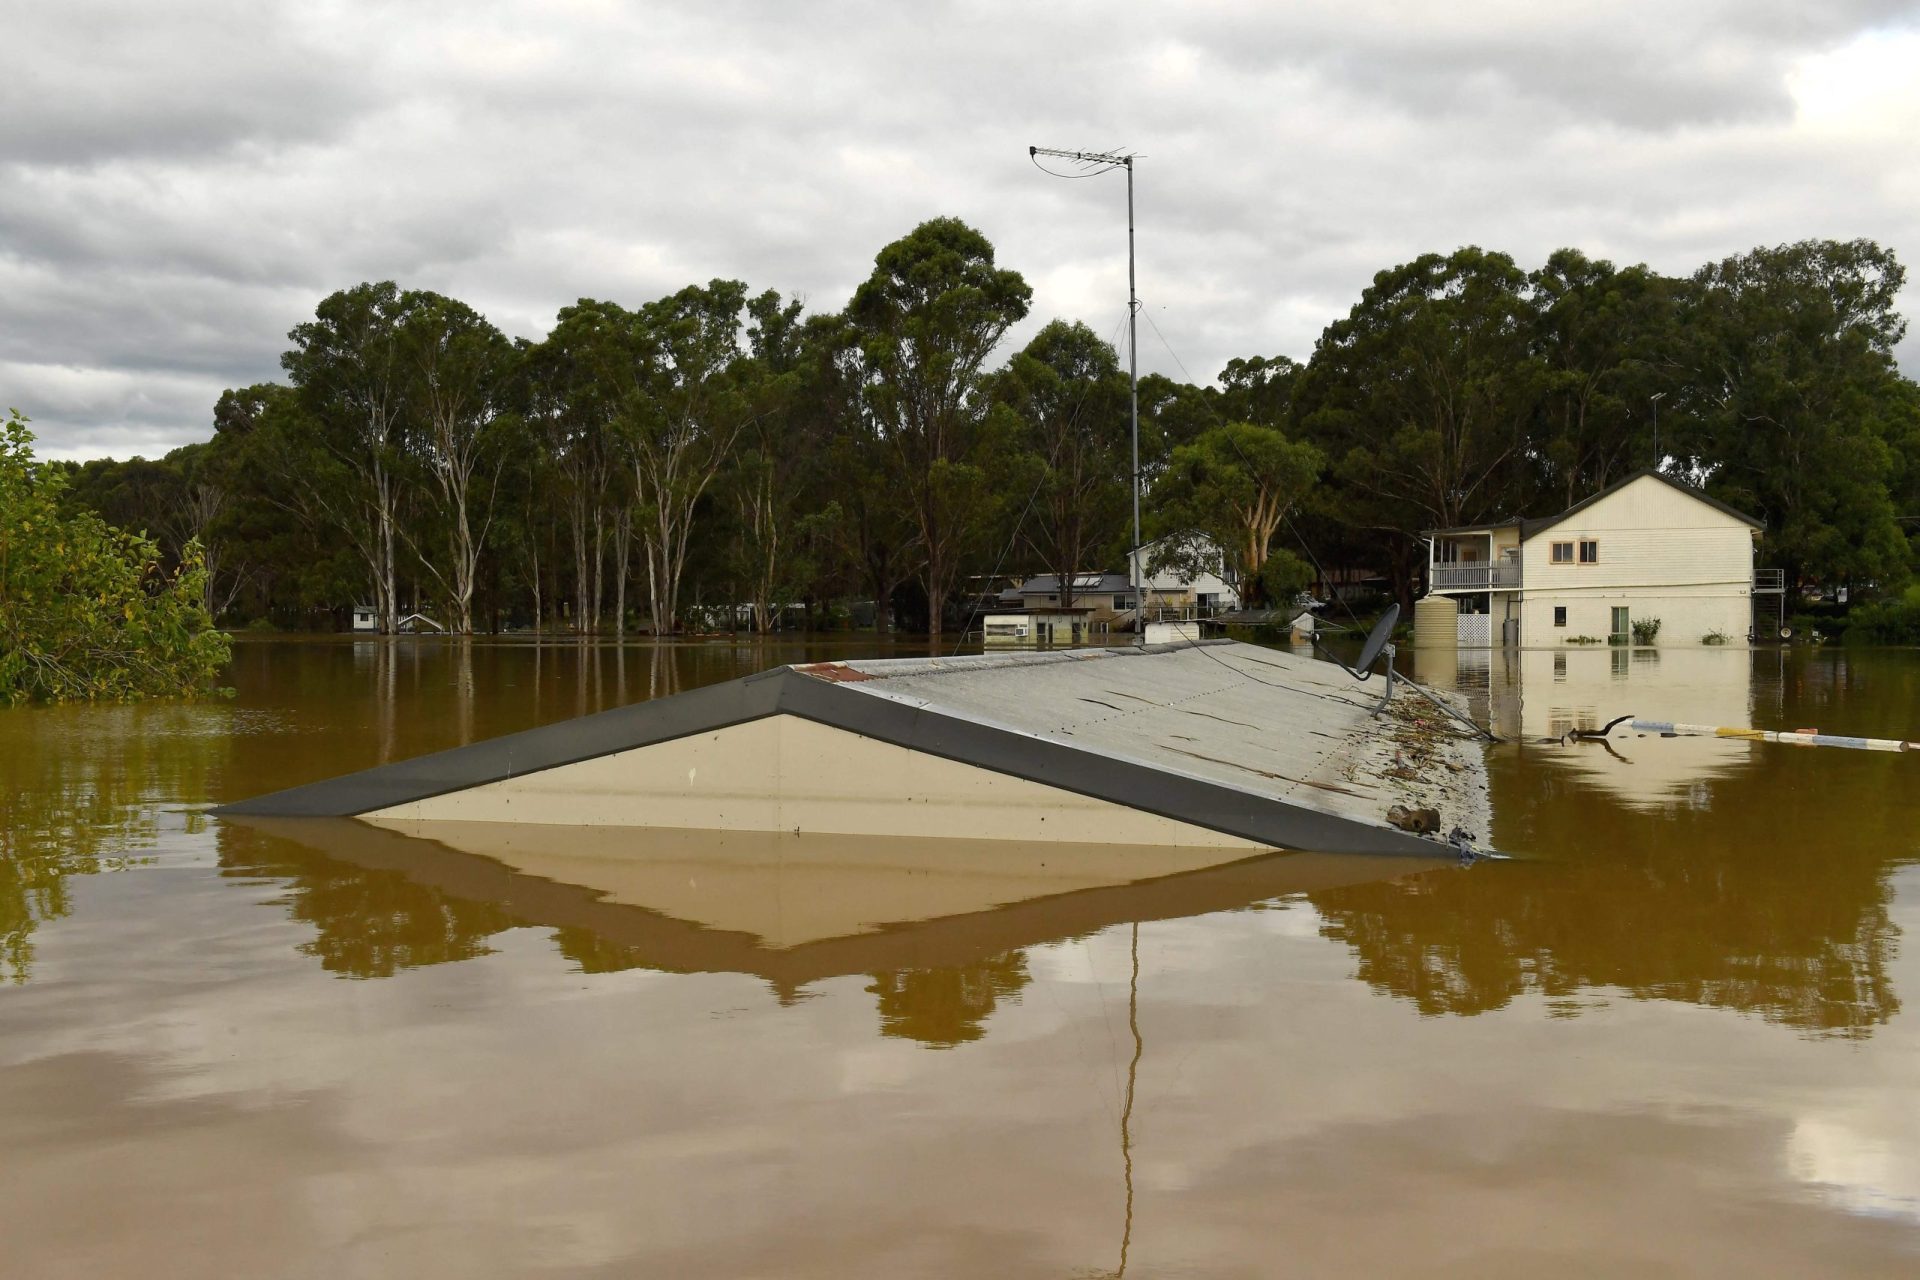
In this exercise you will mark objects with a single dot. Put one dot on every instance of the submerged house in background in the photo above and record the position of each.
(1044, 611)
(1646, 550)
(1180, 579)
(1186, 576)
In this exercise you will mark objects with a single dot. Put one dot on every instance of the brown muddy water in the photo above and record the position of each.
(1672, 1037)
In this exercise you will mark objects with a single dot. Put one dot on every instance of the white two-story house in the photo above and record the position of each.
(1647, 548)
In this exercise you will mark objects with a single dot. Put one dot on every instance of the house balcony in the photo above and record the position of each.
(1490, 576)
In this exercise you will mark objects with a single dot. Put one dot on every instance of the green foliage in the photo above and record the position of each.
(928, 317)
(88, 611)
(1283, 576)
(760, 455)
(1795, 409)
(1425, 392)
(1645, 630)
(1895, 621)
(1063, 405)
(1716, 636)
(1235, 485)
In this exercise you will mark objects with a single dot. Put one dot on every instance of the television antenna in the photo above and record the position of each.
(1092, 164)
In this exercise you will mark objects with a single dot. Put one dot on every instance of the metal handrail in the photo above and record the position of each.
(1184, 612)
(1473, 577)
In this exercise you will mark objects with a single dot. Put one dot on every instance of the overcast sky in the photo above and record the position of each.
(181, 182)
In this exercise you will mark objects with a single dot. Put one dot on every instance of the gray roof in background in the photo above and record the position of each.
(1048, 584)
(1269, 746)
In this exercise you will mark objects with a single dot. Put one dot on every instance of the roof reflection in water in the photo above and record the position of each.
(940, 924)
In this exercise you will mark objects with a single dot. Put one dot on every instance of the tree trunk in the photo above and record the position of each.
(623, 551)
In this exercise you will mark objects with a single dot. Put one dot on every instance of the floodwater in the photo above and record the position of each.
(1675, 1035)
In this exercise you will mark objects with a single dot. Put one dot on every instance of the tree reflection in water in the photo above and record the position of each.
(80, 794)
(369, 922)
(943, 1008)
(1762, 887)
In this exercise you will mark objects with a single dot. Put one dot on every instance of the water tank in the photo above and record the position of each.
(1436, 623)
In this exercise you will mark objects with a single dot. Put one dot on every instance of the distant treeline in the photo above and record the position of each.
(647, 466)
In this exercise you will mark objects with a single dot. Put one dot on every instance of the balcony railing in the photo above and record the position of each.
(1474, 577)
(1769, 580)
(1182, 612)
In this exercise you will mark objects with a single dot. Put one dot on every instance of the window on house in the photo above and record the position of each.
(1563, 553)
(1559, 615)
(1589, 551)
(1122, 602)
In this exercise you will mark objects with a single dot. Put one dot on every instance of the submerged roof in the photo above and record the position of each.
(1271, 747)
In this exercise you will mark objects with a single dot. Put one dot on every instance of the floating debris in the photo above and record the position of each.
(1788, 737)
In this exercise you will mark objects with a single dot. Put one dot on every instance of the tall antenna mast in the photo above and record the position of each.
(1091, 164)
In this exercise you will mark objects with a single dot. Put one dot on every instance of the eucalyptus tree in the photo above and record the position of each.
(207, 475)
(1424, 394)
(777, 467)
(928, 317)
(1067, 400)
(571, 412)
(866, 520)
(1258, 389)
(353, 378)
(288, 554)
(1604, 338)
(685, 389)
(1236, 484)
(1798, 412)
(461, 370)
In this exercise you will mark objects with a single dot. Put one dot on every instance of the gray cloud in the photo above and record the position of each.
(180, 184)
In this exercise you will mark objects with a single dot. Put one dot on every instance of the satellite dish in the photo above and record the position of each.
(1376, 641)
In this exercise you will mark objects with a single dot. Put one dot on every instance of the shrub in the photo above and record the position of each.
(1895, 621)
(1716, 636)
(86, 610)
(1645, 629)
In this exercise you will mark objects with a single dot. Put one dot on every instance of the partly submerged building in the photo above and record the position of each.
(1222, 749)
(1646, 551)
(1186, 575)
(1179, 579)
